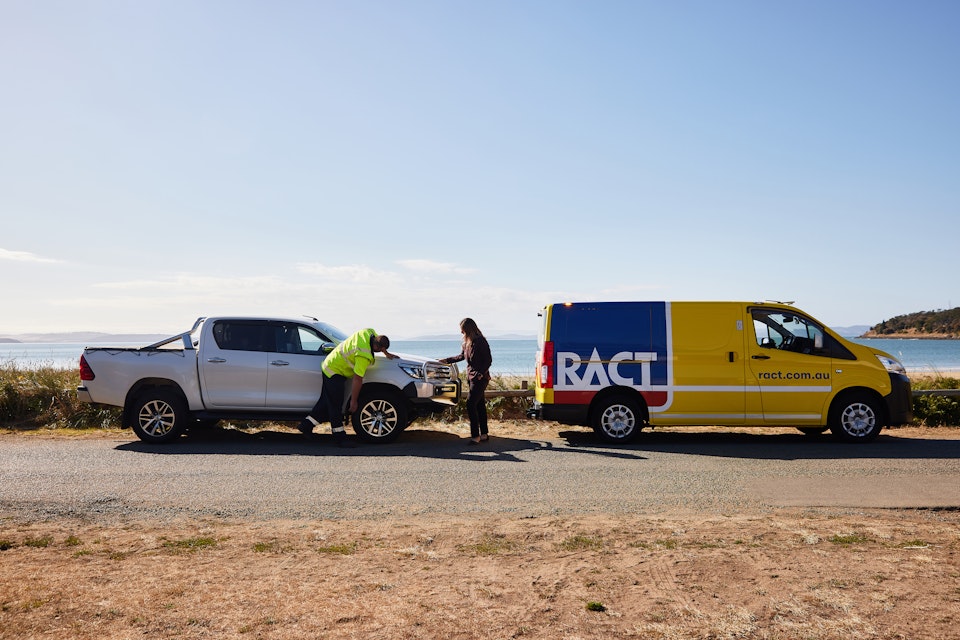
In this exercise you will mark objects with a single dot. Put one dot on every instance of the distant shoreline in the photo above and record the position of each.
(909, 336)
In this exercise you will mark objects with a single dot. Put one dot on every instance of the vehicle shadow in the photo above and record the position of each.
(422, 443)
(775, 446)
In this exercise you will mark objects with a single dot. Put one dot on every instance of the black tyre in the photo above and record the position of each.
(159, 415)
(381, 416)
(855, 417)
(618, 419)
(811, 431)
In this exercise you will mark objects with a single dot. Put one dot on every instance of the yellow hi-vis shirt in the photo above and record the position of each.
(352, 356)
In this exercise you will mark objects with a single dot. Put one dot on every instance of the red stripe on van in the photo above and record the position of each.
(573, 397)
(653, 398)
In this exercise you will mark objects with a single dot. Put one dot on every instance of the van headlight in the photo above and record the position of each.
(890, 364)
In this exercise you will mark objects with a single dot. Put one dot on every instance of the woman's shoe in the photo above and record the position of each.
(473, 442)
(484, 438)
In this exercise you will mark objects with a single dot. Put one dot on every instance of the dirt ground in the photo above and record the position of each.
(811, 574)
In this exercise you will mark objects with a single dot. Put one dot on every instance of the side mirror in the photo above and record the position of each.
(327, 347)
(818, 341)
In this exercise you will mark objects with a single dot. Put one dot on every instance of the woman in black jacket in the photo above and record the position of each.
(476, 351)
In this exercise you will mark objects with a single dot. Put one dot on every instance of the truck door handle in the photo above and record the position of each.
(216, 360)
(760, 357)
(280, 363)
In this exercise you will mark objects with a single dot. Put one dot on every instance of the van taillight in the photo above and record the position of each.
(545, 370)
(86, 373)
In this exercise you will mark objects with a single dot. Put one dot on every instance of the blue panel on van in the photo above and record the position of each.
(611, 328)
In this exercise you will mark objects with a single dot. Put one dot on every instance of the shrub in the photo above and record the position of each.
(500, 408)
(931, 410)
(47, 397)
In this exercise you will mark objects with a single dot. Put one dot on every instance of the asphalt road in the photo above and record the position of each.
(279, 475)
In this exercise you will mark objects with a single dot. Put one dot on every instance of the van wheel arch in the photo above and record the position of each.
(622, 405)
(857, 415)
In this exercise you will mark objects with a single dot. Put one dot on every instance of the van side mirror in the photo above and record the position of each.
(327, 347)
(818, 341)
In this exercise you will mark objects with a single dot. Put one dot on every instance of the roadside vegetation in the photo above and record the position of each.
(45, 398)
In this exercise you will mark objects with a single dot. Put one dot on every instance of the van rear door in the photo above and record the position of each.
(792, 363)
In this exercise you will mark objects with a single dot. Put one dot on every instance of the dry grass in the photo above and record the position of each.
(788, 575)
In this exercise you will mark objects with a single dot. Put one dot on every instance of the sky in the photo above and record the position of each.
(404, 164)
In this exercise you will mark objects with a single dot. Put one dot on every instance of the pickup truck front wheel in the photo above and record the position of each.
(381, 416)
(158, 416)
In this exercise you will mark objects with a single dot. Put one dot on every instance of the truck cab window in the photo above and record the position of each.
(776, 329)
(312, 342)
(243, 336)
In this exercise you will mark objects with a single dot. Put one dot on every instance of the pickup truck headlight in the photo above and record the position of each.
(413, 370)
(890, 364)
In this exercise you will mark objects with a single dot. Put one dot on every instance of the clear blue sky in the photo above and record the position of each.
(402, 165)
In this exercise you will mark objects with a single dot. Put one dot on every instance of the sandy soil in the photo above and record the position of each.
(811, 574)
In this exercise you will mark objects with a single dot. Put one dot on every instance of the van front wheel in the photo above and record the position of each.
(855, 418)
(618, 419)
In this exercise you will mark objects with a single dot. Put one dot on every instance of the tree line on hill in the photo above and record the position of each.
(942, 323)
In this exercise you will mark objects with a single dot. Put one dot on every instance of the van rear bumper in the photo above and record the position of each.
(899, 401)
(563, 413)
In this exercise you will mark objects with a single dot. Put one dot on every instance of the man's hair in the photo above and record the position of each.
(382, 342)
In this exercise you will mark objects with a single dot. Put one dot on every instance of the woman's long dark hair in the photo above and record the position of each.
(470, 329)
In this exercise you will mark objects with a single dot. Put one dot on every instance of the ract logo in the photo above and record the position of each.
(625, 368)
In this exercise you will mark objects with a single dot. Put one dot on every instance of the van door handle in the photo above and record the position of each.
(760, 357)
(279, 363)
(216, 360)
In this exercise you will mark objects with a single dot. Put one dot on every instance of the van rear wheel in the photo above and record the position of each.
(618, 419)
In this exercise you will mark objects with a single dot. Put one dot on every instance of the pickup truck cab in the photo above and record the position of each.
(254, 369)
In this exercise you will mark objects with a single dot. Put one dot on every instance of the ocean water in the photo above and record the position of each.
(510, 357)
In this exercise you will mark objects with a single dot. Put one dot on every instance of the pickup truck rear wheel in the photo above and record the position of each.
(159, 415)
(381, 416)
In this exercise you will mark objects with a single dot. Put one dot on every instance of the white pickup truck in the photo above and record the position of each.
(254, 369)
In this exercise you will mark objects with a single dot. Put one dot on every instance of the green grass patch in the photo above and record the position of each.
(189, 545)
(848, 539)
(913, 544)
(38, 543)
(582, 543)
(490, 545)
(596, 606)
(345, 549)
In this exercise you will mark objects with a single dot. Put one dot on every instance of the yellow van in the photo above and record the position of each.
(621, 366)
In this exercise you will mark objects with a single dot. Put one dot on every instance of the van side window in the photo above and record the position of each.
(778, 329)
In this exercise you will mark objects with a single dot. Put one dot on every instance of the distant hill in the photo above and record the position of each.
(922, 324)
(83, 337)
(854, 331)
(457, 336)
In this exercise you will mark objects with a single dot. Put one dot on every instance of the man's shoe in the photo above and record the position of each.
(305, 427)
